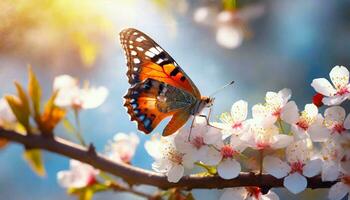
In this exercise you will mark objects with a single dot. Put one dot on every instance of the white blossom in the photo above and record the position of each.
(71, 95)
(338, 92)
(308, 123)
(80, 175)
(298, 166)
(122, 148)
(234, 123)
(168, 160)
(247, 193)
(275, 106)
(196, 142)
(339, 190)
(262, 135)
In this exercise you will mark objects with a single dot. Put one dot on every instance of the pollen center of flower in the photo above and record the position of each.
(343, 91)
(197, 142)
(303, 124)
(91, 180)
(77, 103)
(297, 167)
(227, 151)
(338, 128)
(237, 125)
(175, 157)
(254, 192)
(277, 112)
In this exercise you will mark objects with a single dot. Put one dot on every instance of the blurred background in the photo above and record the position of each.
(262, 45)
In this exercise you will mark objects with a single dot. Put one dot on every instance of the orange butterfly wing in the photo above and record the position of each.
(141, 103)
(146, 59)
(148, 64)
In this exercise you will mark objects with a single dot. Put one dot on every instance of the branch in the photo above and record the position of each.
(135, 175)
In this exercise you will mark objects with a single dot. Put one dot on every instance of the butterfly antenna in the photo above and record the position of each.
(220, 89)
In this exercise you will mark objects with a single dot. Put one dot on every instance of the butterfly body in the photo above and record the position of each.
(159, 87)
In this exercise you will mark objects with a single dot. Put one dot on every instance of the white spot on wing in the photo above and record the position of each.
(134, 53)
(159, 60)
(136, 60)
(150, 54)
(159, 49)
(139, 48)
(154, 50)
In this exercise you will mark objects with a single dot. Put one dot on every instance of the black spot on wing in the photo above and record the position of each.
(175, 71)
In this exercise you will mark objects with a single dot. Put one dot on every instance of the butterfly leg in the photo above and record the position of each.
(207, 117)
(192, 123)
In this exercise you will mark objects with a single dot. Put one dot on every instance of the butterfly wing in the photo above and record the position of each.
(150, 101)
(146, 59)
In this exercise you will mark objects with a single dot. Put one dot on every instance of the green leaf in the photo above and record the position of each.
(18, 110)
(35, 161)
(68, 126)
(189, 196)
(229, 4)
(22, 95)
(34, 92)
(86, 194)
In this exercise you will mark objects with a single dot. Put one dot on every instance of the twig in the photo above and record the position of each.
(134, 175)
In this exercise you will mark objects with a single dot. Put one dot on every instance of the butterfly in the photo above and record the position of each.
(159, 87)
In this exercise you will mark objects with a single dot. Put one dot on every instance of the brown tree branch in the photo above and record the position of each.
(135, 175)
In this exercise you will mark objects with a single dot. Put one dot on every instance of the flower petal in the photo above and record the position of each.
(338, 191)
(93, 97)
(330, 171)
(270, 196)
(175, 173)
(295, 183)
(213, 157)
(212, 135)
(285, 94)
(276, 167)
(290, 113)
(347, 122)
(323, 86)
(239, 111)
(281, 141)
(312, 168)
(334, 100)
(229, 169)
(318, 132)
(339, 76)
(234, 194)
(335, 114)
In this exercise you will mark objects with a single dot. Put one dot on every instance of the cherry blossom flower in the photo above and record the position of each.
(80, 175)
(224, 155)
(168, 160)
(274, 108)
(261, 135)
(234, 122)
(71, 95)
(6, 114)
(196, 142)
(338, 92)
(309, 122)
(231, 30)
(122, 148)
(339, 190)
(205, 15)
(298, 166)
(332, 153)
(247, 193)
